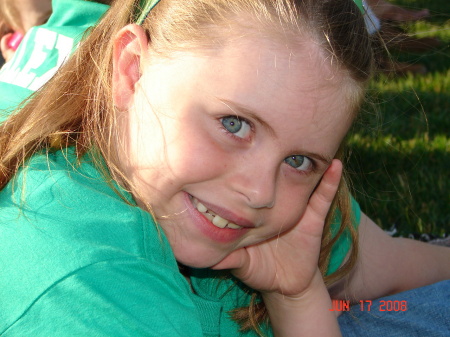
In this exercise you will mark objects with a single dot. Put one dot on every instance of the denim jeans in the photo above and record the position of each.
(421, 312)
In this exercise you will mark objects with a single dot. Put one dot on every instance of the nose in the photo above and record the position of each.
(257, 184)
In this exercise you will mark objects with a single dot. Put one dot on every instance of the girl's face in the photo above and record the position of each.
(227, 146)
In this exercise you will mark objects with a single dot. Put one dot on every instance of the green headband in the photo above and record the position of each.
(145, 6)
(359, 3)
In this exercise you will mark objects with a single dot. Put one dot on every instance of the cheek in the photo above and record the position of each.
(290, 215)
(197, 155)
(292, 204)
(144, 138)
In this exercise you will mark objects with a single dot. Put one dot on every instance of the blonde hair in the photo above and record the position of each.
(75, 108)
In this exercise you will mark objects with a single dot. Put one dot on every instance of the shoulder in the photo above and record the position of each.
(60, 198)
(59, 218)
(54, 186)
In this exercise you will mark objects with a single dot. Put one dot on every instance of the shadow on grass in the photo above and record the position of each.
(400, 159)
(406, 114)
(410, 189)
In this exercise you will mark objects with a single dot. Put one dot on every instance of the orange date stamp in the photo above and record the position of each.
(366, 305)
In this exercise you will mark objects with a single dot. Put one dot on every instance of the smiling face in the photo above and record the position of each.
(227, 146)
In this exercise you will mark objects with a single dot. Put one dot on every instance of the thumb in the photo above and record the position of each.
(320, 201)
(323, 196)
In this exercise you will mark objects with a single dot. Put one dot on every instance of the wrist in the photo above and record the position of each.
(306, 313)
(304, 298)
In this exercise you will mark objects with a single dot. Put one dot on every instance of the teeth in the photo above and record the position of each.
(217, 220)
(210, 217)
(201, 208)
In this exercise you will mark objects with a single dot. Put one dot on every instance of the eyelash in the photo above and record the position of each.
(232, 135)
(313, 167)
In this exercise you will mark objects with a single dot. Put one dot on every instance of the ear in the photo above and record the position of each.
(130, 46)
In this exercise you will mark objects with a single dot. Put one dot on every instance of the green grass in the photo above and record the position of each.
(400, 148)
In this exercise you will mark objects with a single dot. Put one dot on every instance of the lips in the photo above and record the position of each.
(203, 220)
(215, 219)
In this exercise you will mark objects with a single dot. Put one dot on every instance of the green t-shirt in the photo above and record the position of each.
(44, 49)
(79, 260)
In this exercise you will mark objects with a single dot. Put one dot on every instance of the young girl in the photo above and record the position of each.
(221, 121)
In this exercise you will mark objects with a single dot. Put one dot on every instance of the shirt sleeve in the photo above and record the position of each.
(122, 297)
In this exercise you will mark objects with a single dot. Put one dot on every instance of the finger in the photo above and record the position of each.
(320, 201)
(323, 196)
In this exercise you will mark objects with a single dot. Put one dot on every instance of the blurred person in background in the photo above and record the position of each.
(16, 18)
(48, 41)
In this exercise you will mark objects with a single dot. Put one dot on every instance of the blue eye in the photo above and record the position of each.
(238, 127)
(300, 163)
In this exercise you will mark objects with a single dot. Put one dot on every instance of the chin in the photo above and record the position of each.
(199, 260)
(198, 263)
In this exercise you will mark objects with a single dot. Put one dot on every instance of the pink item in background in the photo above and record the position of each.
(15, 40)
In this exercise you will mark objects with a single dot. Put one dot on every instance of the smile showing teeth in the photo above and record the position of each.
(215, 219)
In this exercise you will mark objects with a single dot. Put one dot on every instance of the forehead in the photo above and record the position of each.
(296, 78)
(256, 59)
(291, 85)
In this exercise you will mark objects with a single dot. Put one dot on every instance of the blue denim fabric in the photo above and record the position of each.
(427, 315)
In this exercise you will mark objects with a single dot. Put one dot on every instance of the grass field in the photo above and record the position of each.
(400, 148)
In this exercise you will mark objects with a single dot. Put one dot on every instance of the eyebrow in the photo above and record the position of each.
(324, 159)
(242, 110)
